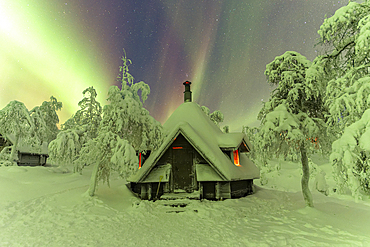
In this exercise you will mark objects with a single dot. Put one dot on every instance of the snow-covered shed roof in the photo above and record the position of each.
(190, 121)
(25, 147)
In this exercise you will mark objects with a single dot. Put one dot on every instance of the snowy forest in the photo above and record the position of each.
(318, 108)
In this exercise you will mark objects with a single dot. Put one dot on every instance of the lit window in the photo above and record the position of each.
(139, 160)
(236, 157)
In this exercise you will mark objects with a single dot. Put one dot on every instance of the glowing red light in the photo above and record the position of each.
(176, 147)
(139, 160)
(236, 157)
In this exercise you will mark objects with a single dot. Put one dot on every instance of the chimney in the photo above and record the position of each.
(187, 92)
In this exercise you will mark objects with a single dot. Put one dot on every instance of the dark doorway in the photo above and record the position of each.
(209, 190)
(182, 169)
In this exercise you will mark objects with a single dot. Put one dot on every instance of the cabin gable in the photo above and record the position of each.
(196, 158)
(181, 160)
(179, 167)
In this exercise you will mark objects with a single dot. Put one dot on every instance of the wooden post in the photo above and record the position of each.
(149, 191)
(218, 190)
(201, 196)
(143, 192)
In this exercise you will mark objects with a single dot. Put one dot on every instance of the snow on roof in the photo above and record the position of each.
(205, 173)
(233, 140)
(191, 113)
(159, 174)
(25, 147)
(189, 120)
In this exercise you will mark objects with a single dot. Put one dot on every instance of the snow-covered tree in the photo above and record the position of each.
(345, 65)
(351, 157)
(346, 37)
(126, 116)
(46, 119)
(217, 117)
(291, 119)
(77, 130)
(252, 134)
(126, 127)
(90, 112)
(206, 110)
(70, 123)
(15, 120)
(88, 116)
(65, 149)
(107, 152)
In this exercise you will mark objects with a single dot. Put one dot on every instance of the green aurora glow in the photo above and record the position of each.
(60, 48)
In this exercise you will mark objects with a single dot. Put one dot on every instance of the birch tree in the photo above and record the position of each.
(345, 37)
(126, 116)
(345, 64)
(126, 127)
(107, 152)
(292, 119)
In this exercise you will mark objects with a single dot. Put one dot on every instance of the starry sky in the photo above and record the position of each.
(60, 48)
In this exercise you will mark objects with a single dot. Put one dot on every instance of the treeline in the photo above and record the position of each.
(32, 128)
(107, 137)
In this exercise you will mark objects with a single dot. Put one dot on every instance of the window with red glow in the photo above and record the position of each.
(246, 147)
(176, 147)
(139, 160)
(236, 157)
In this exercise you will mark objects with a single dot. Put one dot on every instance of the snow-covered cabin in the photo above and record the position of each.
(27, 155)
(196, 157)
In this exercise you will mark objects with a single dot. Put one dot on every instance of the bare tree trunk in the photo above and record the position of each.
(94, 179)
(305, 177)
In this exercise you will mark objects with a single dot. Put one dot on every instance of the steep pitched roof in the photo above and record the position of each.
(189, 120)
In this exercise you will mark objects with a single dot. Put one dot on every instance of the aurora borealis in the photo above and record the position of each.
(60, 48)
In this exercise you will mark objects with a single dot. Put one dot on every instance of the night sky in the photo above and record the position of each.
(60, 48)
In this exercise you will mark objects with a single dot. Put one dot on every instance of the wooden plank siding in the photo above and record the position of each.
(183, 158)
(27, 159)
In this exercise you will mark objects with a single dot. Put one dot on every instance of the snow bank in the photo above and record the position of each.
(42, 206)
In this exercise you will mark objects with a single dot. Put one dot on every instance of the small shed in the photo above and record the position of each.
(28, 155)
(196, 158)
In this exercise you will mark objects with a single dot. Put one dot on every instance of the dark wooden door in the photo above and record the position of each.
(182, 169)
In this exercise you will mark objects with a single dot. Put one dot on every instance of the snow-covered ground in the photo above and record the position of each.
(46, 206)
